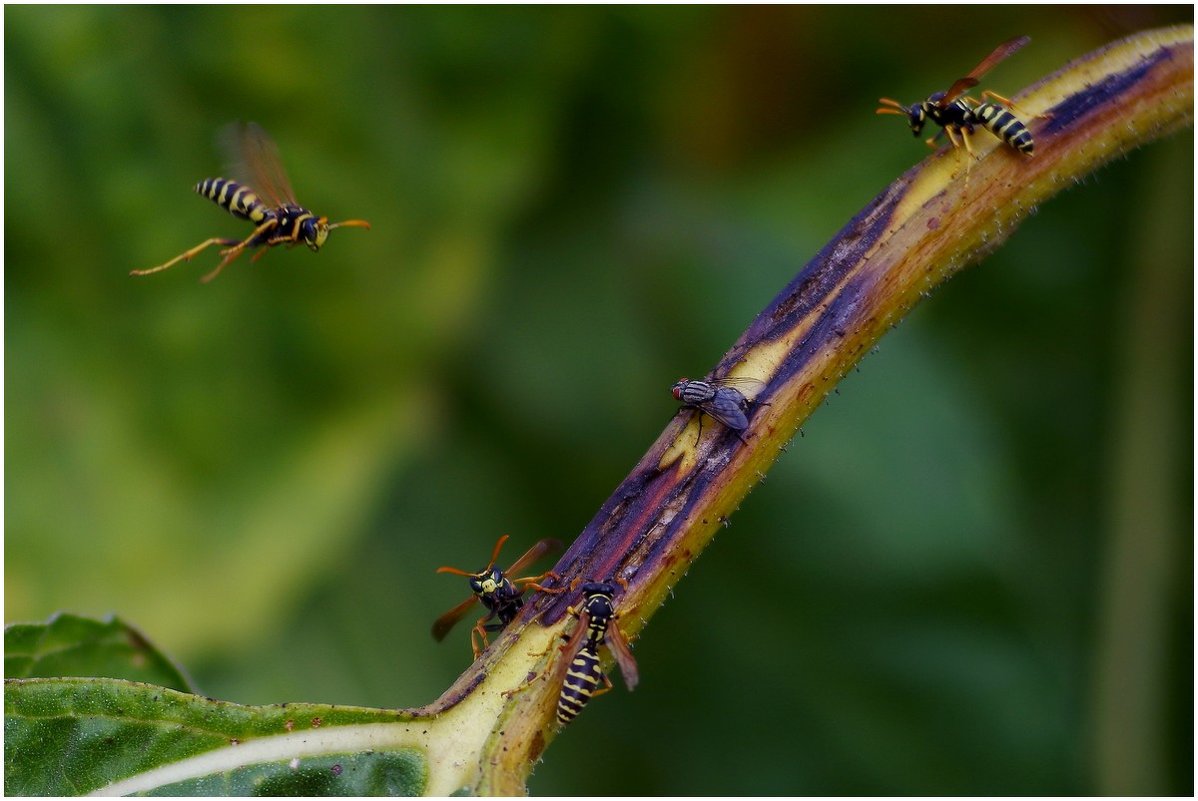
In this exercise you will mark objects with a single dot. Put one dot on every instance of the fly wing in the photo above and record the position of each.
(254, 159)
(728, 406)
(443, 624)
(747, 386)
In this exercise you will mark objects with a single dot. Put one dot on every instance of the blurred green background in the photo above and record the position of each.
(972, 575)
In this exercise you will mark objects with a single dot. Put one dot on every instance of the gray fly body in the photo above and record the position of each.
(722, 401)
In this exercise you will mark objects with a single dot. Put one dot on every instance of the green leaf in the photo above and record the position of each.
(70, 645)
(78, 735)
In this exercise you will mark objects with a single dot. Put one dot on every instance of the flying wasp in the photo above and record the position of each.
(957, 114)
(719, 398)
(271, 206)
(502, 597)
(579, 670)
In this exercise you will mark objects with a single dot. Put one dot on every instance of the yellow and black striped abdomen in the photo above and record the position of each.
(1006, 126)
(238, 200)
(582, 680)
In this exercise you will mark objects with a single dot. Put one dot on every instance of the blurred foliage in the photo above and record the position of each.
(939, 590)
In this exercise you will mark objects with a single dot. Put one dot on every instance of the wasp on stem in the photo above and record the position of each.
(502, 597)
(579, 670)
(271, 206)
(958, 115)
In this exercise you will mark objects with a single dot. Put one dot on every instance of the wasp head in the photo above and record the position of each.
(314, 231)
(916, 114)
(487, 582)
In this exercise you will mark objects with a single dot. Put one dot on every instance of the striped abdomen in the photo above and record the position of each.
(238, 200)
(582, 680)
(1006, 126)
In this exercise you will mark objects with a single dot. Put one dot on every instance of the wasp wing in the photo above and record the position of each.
(443, 624)
(623, 654)
(1000, 53)
(960, 86)
(728, 406)
(533, 554)
(985, 65)
(567, 651)
(254, 159)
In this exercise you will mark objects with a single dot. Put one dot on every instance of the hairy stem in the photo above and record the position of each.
(933, 221)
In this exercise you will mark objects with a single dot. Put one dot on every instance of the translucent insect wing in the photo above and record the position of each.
(567, 652)
(533, 554)
(991, 61)
(254, 159)
(727, 406)
(447, 621)
(623, 654)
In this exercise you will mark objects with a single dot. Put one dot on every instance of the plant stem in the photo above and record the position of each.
(934, 220)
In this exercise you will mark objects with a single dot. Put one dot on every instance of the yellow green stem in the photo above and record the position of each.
(934, 220)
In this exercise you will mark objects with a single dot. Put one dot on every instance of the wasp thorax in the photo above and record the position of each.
(599, 587)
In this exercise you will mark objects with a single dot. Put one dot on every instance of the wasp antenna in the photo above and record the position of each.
(350, 224)
(454, 571)
(495, 553)
(889, 111)
(886, 101)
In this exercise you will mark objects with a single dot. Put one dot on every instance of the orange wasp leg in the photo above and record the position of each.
(235, 251)
(186, 256)
(607, 686)
(1006, 101)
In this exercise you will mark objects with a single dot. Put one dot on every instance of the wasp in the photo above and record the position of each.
(271, 206)
(580, 672)
(721, 399)
(502, 597)
(957, 114)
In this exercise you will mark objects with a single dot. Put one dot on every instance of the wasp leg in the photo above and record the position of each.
(235, 251)
(970, 157)
(550, 590)
(479, 632)
(1006, 101)
(186, 256)
(534, 582)
(952, 135)
(934, 138)
(953, 132)
(259, 255)
(607, 685)
(524, 685)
